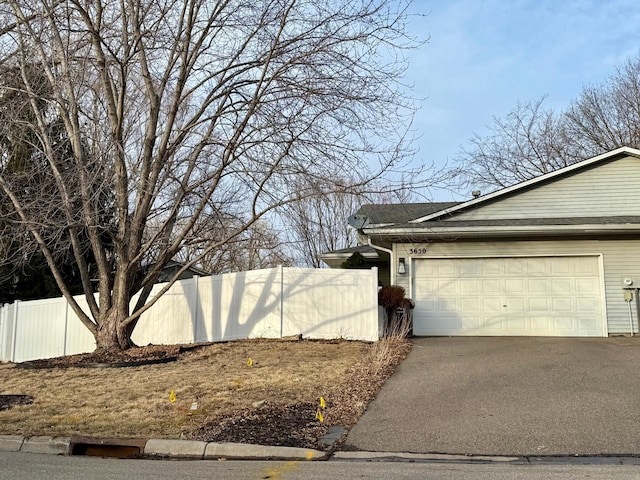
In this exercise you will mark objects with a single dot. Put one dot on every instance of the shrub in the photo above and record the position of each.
(355, 261)
(390, 296)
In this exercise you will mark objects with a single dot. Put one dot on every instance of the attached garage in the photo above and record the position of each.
(510, 296)
(556, 255)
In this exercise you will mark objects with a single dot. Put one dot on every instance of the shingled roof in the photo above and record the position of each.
(382, 214)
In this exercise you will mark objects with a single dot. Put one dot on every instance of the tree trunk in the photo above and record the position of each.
(112, 334)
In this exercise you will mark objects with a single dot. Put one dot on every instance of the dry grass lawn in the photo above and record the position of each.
(135, 401)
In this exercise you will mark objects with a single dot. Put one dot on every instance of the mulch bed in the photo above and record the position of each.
(8, 401)
(276, 425)
(131, 357)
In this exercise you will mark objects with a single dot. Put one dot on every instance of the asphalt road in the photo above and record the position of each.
(509, 396)
(24, 466)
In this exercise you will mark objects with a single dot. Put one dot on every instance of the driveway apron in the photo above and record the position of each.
(509, 396)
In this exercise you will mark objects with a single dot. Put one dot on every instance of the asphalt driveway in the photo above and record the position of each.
(509, 396)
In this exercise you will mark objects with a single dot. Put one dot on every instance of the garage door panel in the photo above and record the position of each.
(514, 269)
(470, 269)
(564, 323)
(541, 322)
(491, 269)
(491, 285)
(517, 323)
(539, 304)
(473, 323)
(561, 285)
(491, 305)
(515, 286)
(536, 268)
(563, 304)
(445, 269)
(470, 286)
(586, 268)
(537, 285)
(586, 305)
(470, 304)
(550, 296)
(587, 285)
(586, 323)
(448, 286)
(516, 305)
(494, 323)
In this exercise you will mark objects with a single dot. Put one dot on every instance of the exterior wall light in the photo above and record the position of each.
(402, 266)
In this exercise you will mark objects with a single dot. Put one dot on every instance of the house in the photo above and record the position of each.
(172, 268)
(558, 255)
(374, 257)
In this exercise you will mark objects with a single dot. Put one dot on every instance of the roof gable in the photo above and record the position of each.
(560, 193)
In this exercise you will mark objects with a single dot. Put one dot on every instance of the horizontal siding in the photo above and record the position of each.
(608, 189)
(621, 259)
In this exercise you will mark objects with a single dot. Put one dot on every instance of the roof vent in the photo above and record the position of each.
(476, 193)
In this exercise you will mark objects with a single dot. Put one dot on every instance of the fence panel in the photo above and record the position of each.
(40, 329)
(78, 338)
(266, 303)
(331, 303)
(241, 305)
(170, 320)
(6, 333)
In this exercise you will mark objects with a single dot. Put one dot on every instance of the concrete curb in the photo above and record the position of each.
(422, 457)
(11, 443)
(174, 448)
(165, 448)
(253, 452)
(192, 449)
(50, 445)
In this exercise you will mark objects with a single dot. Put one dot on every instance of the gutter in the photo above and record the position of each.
(392, 270)
(506, 231)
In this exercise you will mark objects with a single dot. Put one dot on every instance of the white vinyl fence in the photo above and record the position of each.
(271, 303)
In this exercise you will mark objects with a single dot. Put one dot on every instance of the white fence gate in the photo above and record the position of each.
(271, 303)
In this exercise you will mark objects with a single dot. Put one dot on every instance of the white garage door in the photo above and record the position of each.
(530, 296)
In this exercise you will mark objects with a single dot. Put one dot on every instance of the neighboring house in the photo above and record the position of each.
(558, 255)
(374, 258)
(173, 267)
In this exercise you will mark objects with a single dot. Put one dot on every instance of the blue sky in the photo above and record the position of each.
(484, 56)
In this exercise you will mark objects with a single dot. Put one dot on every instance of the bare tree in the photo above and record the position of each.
(178, 110)
(258, 246)
(318, 224)
(528, 142)
(606, 116)
(532, 140)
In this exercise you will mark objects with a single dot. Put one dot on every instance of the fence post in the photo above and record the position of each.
(376, 313)
(66, 326)
(196, 298)
(15, 330)
(281, 301)
(3, 331)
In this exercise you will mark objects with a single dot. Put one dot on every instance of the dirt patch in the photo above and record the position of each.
(115, 358)
(8, 401)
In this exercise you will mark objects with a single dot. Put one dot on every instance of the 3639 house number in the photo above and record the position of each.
(417, 251)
